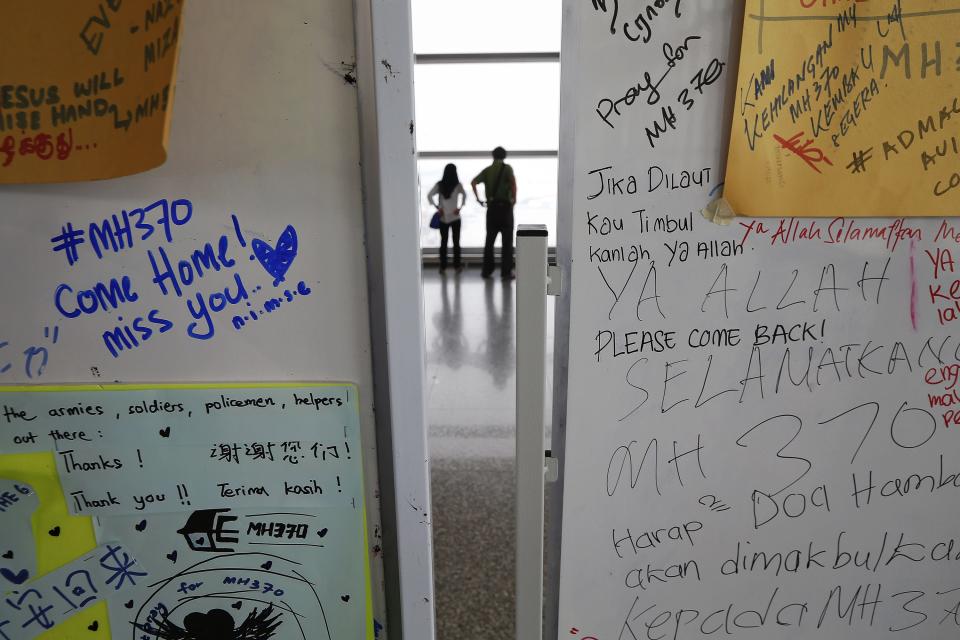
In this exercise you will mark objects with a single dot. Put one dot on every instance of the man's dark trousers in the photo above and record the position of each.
(499, 221)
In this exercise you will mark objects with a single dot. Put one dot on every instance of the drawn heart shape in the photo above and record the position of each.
(267, 565)
(55, 531)
(128, 604)
(165, 432)
(216, 623)
(172, 556)
(322, 533)
(276, 261)
(93, 626)
(345, 598)
(236, 605)
(140, 526)
(16, 578)
(8, 555)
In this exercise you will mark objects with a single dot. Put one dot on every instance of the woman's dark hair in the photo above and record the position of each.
(499, 153)
(449, 181)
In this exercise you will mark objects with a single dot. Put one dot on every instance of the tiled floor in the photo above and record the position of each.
(471, 358)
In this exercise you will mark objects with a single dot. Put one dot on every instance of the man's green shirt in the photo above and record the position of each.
(489, 179)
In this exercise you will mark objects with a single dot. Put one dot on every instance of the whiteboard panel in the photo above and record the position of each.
(759, 421)
(265, 129)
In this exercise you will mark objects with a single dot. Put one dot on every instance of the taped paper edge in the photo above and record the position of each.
(719, 212)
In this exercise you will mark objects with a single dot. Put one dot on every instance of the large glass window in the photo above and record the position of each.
(488, 74)
(464, 107)
(536, 196)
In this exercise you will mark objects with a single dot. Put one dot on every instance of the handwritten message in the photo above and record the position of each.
(133, 450)
(204, 279)
(848, 107)
(298, 573)
(760, 420)
(88, 95)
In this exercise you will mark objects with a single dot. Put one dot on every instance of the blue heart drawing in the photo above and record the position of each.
(276, 261)
(16, 578)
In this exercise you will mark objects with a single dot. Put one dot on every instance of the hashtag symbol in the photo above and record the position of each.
(859, 162)
(69, 239)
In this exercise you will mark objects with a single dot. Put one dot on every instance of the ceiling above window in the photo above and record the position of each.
(490, 26)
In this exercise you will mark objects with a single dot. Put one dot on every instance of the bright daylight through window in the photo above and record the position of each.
(488, 75)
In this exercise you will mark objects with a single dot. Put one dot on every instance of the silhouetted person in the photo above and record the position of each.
(451, 198)
(500, 191)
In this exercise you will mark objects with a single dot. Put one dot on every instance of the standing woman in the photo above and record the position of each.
(451, 198)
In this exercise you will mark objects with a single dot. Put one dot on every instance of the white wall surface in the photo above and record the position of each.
(265, 127)
(740, 483)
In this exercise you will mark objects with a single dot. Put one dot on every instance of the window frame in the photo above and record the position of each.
(463, 154)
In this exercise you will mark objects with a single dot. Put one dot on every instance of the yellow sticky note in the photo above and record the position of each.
(59, 537)
(847, 108)
(86, 88)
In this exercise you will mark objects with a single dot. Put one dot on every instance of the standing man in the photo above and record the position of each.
(500, 190)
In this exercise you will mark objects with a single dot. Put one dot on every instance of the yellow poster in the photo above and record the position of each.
(847, 108)
(86, 87)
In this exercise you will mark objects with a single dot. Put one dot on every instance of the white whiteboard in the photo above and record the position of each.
(265, 127)
(784, 490)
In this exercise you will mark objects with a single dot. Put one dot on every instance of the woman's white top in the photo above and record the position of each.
(449, 206)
